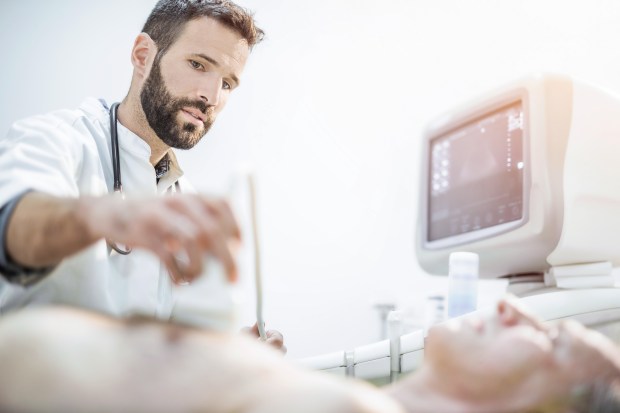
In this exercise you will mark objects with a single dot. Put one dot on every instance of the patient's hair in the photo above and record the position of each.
(600, 398)
(168, 18)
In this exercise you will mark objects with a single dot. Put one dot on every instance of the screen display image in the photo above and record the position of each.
(476, 174)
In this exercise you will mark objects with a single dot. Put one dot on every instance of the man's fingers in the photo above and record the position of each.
(217, 230)
(274, 337)
(223, 213)
(190, 261)
(181, 240)
(253, 331)
(223, 251)
(276, 340)
(169, 261)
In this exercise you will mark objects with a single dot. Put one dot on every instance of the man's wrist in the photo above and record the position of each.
(9, 268)
(88, 217)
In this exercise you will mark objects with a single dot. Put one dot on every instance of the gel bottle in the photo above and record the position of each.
(462, 283)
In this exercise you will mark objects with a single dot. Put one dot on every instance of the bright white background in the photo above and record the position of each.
(330, 113)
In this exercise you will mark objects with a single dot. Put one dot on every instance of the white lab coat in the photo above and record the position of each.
(67, 154)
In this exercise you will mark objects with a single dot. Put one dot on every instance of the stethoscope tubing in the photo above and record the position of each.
(116, 168)
(116, 164)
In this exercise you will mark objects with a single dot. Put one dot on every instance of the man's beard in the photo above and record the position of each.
(161, 110)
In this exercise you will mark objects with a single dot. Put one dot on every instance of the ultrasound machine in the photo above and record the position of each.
(527, 177)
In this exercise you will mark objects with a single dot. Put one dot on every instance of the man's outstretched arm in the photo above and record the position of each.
(43, 230)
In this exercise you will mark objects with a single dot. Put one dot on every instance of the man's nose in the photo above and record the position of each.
(210, 89)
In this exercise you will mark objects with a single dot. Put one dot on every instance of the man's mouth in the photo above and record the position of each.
(195, 113)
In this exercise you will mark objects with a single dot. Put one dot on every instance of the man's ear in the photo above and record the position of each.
(143, 54)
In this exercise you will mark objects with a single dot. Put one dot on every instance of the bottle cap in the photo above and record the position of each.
(464, 263)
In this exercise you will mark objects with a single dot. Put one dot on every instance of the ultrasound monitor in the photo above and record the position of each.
(525, 176)
(476, 177)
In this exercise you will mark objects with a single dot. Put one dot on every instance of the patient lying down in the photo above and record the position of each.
(66, 360)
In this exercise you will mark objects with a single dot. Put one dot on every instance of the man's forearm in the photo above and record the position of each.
(43, 230)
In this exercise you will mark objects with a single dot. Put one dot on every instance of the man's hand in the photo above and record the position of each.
(179, 229)
(274, 338)
(43, 229)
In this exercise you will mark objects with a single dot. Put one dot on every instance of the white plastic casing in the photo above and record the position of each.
(571, 192)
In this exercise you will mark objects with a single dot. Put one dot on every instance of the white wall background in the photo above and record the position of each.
(330, 113)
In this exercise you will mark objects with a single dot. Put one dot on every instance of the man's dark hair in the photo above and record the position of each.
(168, 18)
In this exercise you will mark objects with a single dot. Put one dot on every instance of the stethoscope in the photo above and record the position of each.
(116, 169)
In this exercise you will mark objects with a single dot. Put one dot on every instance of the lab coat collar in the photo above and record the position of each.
(172, 176)
(133, 144)
(127, 140)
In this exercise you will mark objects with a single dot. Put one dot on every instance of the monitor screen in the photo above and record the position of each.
(475, 176)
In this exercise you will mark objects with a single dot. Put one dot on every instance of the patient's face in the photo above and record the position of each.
(511, 356)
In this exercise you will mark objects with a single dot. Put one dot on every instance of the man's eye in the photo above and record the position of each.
(196, 65)
(226, 85)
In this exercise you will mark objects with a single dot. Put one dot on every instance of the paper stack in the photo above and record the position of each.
(592, 275)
